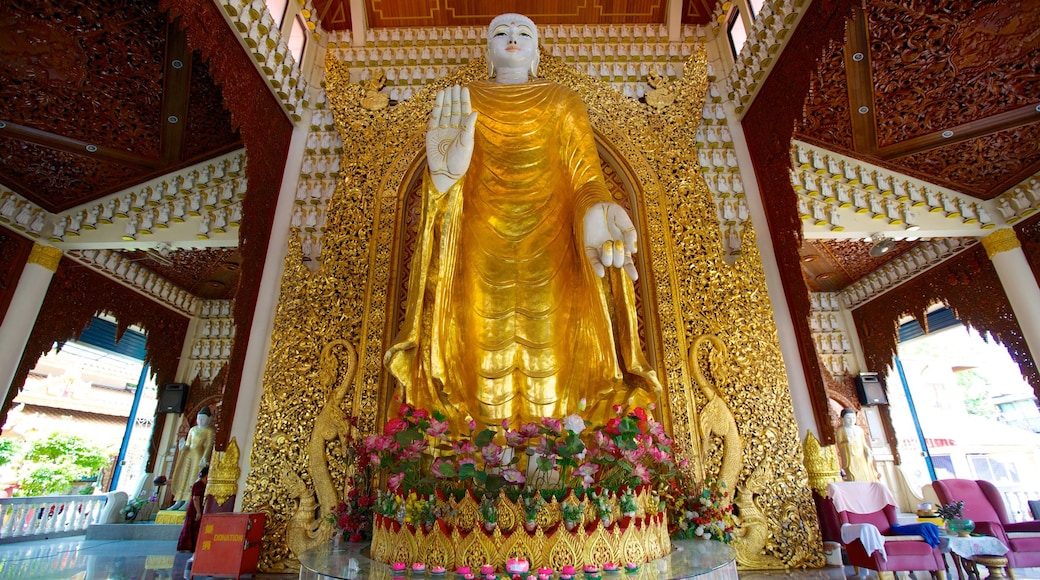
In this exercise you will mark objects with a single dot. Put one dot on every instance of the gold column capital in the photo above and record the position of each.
(999, 241)
(46, 256)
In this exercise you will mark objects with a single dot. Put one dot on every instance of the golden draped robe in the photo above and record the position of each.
(505, 317)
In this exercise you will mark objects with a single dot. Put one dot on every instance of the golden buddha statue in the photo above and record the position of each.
(509, 315)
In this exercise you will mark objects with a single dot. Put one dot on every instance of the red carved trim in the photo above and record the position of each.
(76, 294)
(14, 253)
(968, 284)
(265, 131)
(768, 126)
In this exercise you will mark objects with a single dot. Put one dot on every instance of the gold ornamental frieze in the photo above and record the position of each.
(332, 326)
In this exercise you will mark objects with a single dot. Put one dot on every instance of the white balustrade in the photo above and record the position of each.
(30, 518)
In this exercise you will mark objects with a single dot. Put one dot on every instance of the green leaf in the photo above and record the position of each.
(447, 470)
(467, 470)
(572, 446)
(484, 437)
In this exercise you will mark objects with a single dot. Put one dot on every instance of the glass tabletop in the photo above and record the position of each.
(689, 559)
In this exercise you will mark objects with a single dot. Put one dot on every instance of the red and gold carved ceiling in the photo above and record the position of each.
(335, 14)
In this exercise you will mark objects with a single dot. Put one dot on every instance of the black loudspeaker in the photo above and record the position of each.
(870, 390)
(172, 398)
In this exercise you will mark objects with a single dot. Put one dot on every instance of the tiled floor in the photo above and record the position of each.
(78, 559)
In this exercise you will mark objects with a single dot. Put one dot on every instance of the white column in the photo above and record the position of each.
(1019, 284)
(796, 382)
(243, 425)
(23, 310)
(673, 20)
(358, 23)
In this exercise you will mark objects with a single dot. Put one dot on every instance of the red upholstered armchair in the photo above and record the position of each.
(984, 505)
(872, 503)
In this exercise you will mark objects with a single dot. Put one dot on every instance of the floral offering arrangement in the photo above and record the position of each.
(554, 455)
(353, 517)
(702, 511)
(556, 482)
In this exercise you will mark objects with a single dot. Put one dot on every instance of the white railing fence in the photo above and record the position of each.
(1016, 502)
(27, 518)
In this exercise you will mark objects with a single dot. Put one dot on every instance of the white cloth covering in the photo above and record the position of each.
(861, 497)
(868, 535)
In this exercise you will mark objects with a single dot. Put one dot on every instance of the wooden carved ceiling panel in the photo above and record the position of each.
(937, 63)
(90, 104)
(208, 126)
(831, 265)
(827, 106)
(977, 166)
(210, 274)
(697, 11)
(335, 14)
(949, 96)
(400, 13)
(56, 180)
(87, 70)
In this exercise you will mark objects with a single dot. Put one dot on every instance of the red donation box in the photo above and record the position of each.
(229, 544)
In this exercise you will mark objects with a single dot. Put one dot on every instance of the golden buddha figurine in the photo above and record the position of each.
(509, 315)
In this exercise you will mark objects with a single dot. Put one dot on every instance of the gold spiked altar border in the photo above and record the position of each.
(737, 405)
(462, 540)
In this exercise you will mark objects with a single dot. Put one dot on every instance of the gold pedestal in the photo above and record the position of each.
(170, 517)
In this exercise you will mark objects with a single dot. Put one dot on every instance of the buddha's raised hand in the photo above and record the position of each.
(449, 138)
(610, 238)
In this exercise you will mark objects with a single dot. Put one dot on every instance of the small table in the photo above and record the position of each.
(968, 551)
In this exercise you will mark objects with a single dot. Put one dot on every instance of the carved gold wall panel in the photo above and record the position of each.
(354, 296)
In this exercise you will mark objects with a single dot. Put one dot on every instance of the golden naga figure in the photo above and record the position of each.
(509, 315)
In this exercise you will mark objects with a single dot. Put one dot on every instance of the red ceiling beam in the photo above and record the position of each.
(75, 146)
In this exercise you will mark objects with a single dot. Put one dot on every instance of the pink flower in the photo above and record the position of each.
(492, 454)
(421, 414)
(472, 425)
(395, 425)
(618, 409)
(530, 430)
(464, 447)
(467, 461)
(394, 483)
(613, 426)
(404, 410)
(586, 471)
(513, 475)
(642, 473)
(546, 448)
(514, 438)
(659, 455)
(437, 428)
(554, 425)
(505, 424)
(378, 442)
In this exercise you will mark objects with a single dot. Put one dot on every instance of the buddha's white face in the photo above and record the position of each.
(202, 420)
(848, 419)
(513, 43)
